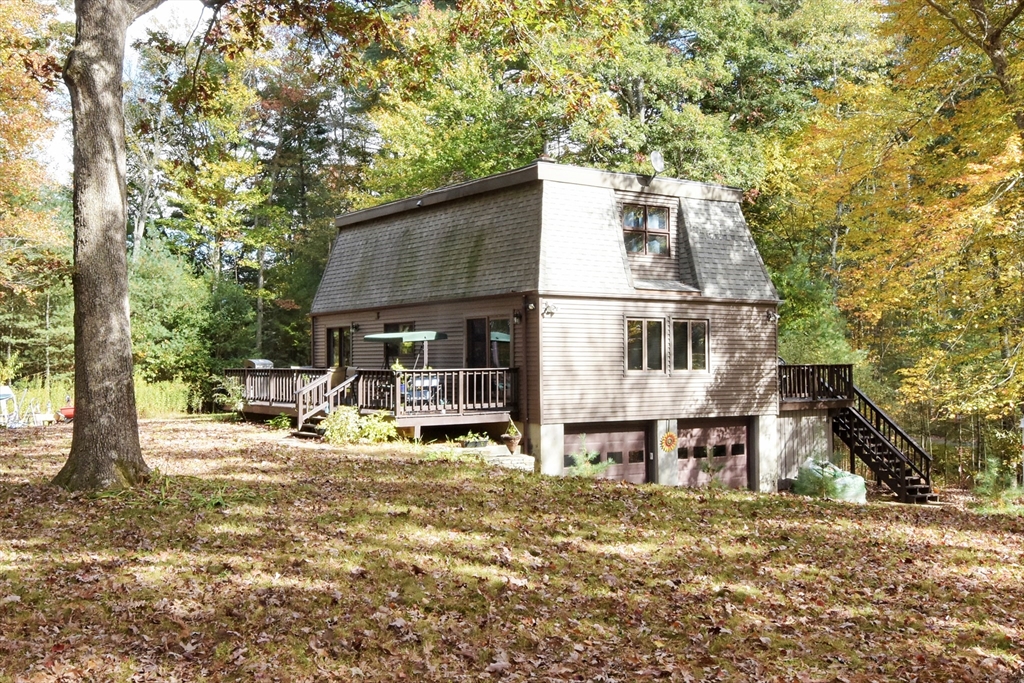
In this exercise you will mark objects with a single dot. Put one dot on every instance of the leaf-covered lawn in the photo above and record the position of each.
(255, 557)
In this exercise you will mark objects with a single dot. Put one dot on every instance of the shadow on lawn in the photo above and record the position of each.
(262, 560)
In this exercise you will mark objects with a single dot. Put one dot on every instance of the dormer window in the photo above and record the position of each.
(645, 229)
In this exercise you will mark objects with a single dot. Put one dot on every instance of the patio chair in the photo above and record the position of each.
(9, 416)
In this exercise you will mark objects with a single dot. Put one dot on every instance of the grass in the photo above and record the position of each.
(152, 399)
(251, 556)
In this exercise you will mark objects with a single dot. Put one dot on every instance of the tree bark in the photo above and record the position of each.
(105, 449)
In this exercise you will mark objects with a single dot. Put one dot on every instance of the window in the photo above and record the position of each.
(488, 343)
(339, 346)
(645, 229)
(689, 345)
(644, 344)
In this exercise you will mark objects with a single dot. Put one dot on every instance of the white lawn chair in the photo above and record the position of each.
(9, 416)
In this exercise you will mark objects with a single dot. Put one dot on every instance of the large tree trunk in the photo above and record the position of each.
(105, 448)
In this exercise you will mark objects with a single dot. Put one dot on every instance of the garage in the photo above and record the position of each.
(713, 450)
(624, 446)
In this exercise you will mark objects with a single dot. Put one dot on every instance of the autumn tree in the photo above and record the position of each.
(105, 449)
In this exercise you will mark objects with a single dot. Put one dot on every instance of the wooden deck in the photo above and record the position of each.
(414, 398)
(815, 387)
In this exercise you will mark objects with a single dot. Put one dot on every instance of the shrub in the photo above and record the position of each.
(997, 486)
(586, 463)
(162, 399)
(345, 425)
(377, 428)
(282, 421)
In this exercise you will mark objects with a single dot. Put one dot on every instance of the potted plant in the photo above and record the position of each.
(512, 437)
(474, 440)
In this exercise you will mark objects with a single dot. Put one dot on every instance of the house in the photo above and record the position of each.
(627, 316)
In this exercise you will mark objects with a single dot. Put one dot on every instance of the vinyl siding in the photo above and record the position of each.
(583, 363)
(803, 434)
(449, 318)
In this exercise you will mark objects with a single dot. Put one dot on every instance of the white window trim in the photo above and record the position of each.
(689, 345)
(665, 334)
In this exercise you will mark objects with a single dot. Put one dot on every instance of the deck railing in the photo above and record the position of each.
(401, 392)
(816, 382)
(438, 392)
(274, 386)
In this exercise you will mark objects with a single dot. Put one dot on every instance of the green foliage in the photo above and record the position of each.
(708, 84)
(280, 422)
(162, 399)
(586, 463)
(171, 311)
(168, 398)
(346, 426)
(471, 436)
(9, 368)
(997, 485)
(377, 428)
(342, 426)
(229, 393)
(512, 430)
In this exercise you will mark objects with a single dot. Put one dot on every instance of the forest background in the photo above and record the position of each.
(879, 146)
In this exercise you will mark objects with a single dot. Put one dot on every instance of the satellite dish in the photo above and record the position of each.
(657, 161)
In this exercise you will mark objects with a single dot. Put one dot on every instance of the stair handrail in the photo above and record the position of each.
(305, 404)
(921, 462)
(331, 399)
(899, 483)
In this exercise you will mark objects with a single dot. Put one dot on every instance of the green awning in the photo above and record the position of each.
(406, 337)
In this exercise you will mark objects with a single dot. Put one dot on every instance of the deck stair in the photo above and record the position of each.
(889, 452)
(310, 429)
(315, 401)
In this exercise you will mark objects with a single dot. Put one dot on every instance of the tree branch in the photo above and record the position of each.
(1009, 18)
(948, 16)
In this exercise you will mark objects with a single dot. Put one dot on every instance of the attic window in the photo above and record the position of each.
(645, 229)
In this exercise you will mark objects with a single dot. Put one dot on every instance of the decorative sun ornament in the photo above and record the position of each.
(669, 441)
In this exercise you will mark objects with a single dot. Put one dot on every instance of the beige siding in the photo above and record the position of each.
(803, 434)
(583, 362)
(448, 318)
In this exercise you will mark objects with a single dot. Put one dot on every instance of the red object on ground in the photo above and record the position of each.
(68, 412)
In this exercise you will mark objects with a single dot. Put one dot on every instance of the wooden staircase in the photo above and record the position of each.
(894, 457)
(314, 401)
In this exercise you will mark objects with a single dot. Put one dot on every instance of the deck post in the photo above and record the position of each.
(462, 392)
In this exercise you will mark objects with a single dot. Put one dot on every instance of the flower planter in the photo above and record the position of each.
(481, 443)
(511, 441)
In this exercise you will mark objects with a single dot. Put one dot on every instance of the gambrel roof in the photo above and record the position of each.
(546, 228)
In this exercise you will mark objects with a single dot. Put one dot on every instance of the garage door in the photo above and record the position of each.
(714, 450)
(625, 447)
